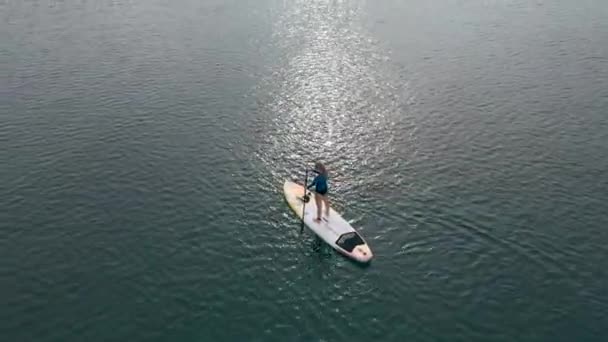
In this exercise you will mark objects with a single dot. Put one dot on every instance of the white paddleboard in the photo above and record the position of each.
(334, 230)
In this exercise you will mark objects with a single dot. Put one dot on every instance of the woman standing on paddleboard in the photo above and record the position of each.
(321, 188)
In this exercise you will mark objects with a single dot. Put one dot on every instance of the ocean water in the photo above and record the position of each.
(144, 145)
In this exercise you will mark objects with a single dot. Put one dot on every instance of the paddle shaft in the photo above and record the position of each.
(304, 200)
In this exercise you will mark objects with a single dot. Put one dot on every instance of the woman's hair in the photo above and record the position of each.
(321, 168)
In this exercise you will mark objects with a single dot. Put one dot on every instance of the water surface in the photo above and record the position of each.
(144, 145)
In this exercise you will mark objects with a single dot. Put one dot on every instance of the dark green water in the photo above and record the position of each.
(144, 145)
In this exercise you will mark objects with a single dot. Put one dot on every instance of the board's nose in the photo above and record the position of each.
(362, 253)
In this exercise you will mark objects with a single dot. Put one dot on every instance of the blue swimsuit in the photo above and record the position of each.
(320, 184)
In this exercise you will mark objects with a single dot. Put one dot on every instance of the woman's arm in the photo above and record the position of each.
(314, 182)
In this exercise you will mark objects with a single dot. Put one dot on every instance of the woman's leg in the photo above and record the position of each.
(326, 203)
(319, 202)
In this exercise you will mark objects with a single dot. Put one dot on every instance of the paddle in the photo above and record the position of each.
(304, 201)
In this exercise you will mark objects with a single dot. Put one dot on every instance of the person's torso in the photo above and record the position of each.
(321, 182)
